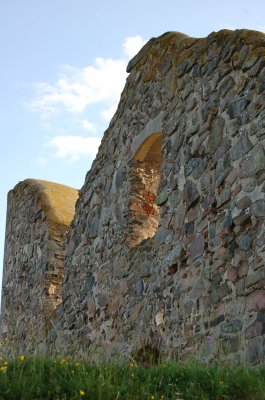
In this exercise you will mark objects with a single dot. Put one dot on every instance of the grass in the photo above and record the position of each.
(60, 379)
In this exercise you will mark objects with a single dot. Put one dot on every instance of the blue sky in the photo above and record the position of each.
(63, 67)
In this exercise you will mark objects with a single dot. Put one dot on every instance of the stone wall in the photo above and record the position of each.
(38, 217)
(167, 245)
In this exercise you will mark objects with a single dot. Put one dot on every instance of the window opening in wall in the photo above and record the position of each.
(145, 179)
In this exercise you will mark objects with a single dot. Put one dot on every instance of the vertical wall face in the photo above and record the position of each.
(167, 246)
(33, 262)
(197, 285)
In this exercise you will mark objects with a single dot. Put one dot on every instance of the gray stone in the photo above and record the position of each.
(217, 279)
(192, 130)
(191, 193)
(254, 278)
(179, 217)
(224, 196)
(219, 293)
(226, 85)
(243, 203)
(242, 147)
(259, 160)
(106, 216)
(93, 227)
(255, 350)
(102, 300)
(176, 253)
(119, 177)
(175, 198)
(215, 135)
(245, 242)
(222, 149)
(90, 280)
(187, 90)
(206, 181)
(224, 290)
(196, 166)
(197, 247)
(162, 235)
(189, 228)
(223, 167)
(237, 107)
(232, 326)
(240, 289)
(249, 185)
(139, 287)
(227, 221)
(258, 208)
(162, 197)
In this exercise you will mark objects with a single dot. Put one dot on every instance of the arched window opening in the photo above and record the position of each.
(145, 179)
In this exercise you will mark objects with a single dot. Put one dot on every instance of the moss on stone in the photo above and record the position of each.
(56, 200)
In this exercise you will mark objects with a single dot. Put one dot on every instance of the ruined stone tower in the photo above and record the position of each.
(166, 247)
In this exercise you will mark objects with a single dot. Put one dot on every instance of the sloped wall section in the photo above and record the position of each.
(38, 217)
(182, 161)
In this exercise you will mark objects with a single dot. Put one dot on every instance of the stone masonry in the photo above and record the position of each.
(166, 248)
(38, 217)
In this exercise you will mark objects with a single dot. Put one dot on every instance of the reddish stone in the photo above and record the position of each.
(135, 313)
(120, 287)
(237, 190)
(256, 301)
(255, 330)
(91, 306)
(149, 210)
(232, 274)
(243, 269)
(150, 197)
(114, 306)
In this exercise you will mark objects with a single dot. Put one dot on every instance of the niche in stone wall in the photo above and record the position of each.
(144, 182)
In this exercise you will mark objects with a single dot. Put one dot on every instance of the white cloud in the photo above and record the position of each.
(77, 88)
(132, 45)
(89, 126)
(73, 147)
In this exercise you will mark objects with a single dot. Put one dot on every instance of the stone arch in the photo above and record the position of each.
(144, 182)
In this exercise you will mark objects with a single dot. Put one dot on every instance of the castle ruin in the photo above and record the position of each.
(165, 246)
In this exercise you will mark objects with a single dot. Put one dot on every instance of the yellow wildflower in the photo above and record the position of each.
(3, 369)
(22, 358)
(81, 392)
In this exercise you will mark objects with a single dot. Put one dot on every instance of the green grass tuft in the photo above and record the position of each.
(62, 379)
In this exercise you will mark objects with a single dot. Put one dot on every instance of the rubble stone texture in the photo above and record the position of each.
(38, 217)
(167, 245)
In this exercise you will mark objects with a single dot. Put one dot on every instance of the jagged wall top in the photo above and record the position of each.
(184, 42)
(56, 200)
